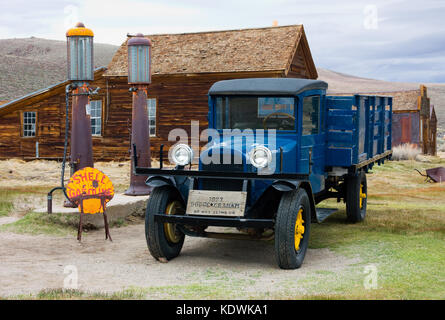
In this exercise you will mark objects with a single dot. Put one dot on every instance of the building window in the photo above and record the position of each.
(29, 123)
(311, 115)
(151, 110)
(96, 117)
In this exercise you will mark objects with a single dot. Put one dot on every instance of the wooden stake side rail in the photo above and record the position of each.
(384, 155)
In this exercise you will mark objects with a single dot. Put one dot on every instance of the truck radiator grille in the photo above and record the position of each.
(222, 184)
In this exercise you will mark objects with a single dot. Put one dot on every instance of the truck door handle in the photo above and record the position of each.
(310, 160)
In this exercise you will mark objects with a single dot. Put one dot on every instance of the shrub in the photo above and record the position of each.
(405, 151)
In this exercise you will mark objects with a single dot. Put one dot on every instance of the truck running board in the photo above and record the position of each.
(323, 213)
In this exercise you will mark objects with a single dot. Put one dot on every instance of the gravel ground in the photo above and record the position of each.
(30, 264)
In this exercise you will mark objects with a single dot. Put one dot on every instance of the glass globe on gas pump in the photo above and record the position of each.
(80, 53)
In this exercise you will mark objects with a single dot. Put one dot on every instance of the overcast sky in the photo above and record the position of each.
(397, 40)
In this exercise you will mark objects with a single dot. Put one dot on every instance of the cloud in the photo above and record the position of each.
(407, 44)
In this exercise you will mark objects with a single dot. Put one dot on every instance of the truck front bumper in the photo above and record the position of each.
(194, 220)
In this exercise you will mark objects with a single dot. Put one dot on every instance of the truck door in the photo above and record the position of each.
(312, 134)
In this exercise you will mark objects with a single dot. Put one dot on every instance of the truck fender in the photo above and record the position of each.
(159, 181)
(286, 186)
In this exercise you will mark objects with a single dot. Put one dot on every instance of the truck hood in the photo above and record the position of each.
(239, 147)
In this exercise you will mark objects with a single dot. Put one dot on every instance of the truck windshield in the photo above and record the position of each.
(255, 113)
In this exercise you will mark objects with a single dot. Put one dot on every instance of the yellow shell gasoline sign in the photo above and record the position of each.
(90, 189)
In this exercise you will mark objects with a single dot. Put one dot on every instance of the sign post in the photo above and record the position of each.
(90, 190)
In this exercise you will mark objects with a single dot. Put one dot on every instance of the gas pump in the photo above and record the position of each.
(139, 76)
(80, 72)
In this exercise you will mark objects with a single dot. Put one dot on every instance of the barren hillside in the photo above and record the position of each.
(30, 64)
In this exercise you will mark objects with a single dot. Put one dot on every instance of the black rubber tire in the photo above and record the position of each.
(354, 213)
(157, 242)
(286, 255)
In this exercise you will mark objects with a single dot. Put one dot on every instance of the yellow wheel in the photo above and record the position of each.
(292, 229)
(362, 195)
(356, 197)
(171, 233)
(299, 229)
(164, 240)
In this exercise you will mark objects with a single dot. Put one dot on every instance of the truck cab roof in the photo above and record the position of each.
(266, 86)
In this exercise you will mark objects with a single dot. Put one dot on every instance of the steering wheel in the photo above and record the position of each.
(278, 114)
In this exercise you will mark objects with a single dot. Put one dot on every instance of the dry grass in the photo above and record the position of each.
(45, 173)
(24, 185)
(406, 151)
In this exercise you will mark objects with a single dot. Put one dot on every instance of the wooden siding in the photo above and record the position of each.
(50, 125)
(180, 100)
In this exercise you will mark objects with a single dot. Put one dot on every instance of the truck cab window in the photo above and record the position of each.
(255, 113)
(311, 115)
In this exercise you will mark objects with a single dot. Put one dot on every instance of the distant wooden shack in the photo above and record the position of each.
(184, 68)
(414, 119)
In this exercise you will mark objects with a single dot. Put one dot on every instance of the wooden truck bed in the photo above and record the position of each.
(358, 130)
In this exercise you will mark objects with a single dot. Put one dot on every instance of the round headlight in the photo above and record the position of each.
(181, 154)
(260, 157)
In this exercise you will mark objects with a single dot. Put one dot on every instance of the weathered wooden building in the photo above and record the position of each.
(414, 119)
(33, 126)
(184, 68)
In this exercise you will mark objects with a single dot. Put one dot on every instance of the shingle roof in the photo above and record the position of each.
(262, 49)
(404, 100)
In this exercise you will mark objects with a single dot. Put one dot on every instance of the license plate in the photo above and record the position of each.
(217, 203)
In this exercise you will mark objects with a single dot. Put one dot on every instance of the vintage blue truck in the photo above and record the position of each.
(277, 148)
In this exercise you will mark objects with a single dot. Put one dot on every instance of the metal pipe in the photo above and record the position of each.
(226, 236)
(65, 148)
(161, 156)
(50, 198)
(236, 236)
(67, 126)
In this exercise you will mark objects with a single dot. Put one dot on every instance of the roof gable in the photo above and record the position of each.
(247, 50)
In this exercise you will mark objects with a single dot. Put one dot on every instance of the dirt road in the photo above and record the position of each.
(30, 264)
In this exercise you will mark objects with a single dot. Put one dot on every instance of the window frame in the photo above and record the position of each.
(102, 113)
(155, 117)
(319, 122)
(22, 124)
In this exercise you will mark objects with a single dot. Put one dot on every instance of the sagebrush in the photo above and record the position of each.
(407, 151)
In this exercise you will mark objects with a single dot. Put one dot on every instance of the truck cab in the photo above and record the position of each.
(290, 113)
(276, 148)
